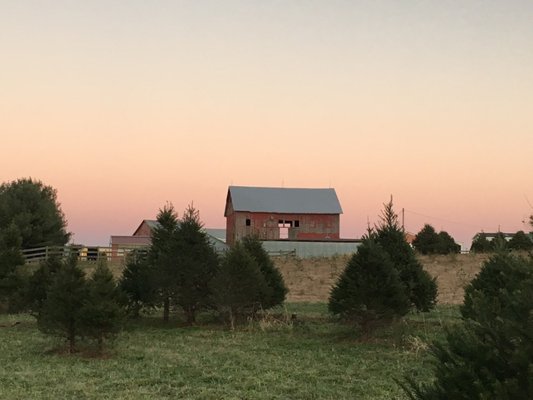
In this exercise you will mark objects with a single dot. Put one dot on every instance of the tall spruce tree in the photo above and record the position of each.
(369, 291)
(196, 265)
(162, 257)
(238, 284)
(61, 313)
(276, 291)
(101, 314)
(420, 288)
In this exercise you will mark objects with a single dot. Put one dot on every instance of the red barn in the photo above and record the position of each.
(282, 213)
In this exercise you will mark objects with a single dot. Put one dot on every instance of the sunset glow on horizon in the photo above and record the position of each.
(123, 106)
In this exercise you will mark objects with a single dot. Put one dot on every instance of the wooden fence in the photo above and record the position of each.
(94, 254)
(87, 253)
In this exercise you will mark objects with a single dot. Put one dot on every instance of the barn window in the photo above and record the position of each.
(296, 223)
(248, 222)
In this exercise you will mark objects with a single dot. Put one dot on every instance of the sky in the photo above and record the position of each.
(123, 106)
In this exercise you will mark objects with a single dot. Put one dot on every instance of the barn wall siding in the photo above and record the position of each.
(265, 225)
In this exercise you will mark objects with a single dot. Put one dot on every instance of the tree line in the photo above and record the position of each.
(520, 241)
(180, 270)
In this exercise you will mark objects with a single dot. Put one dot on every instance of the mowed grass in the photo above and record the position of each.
(310, 358)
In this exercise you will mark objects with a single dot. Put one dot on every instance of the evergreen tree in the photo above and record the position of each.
(61, 313)
(33, 208)
(196, 264)
(137, 284)
(101, 314)
(480, 244)
(490, 355)
(276, 289)
(35, 292)
(10, 259)
(238, 284)
(484, 296)
(499, 243)
(162, 257)
(521, 241)
(369, 290)
(446, 244)
(427, 240)
(420, 288)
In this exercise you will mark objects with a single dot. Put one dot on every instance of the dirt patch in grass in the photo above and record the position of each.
(311, 279)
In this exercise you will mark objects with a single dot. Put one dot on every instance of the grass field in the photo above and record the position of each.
(312, 358)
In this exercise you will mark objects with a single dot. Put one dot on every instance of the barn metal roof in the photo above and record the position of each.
(284, 200)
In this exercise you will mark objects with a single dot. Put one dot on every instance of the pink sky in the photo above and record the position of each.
(122, 106)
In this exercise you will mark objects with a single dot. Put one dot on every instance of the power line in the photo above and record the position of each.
(442, 219)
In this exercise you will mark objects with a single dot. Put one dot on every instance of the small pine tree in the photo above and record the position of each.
(501, 274)
(369, 290)
(196, 264)
(420, 288)
(489, 355)
(238, 284)
(137, 285)
(39, 283)
(162, 257)
(101, 314)
(61, 313)
(276, 289)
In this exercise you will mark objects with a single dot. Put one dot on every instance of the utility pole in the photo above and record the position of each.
(403, 219)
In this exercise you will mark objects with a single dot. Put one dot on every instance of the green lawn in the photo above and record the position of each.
(312, 358)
